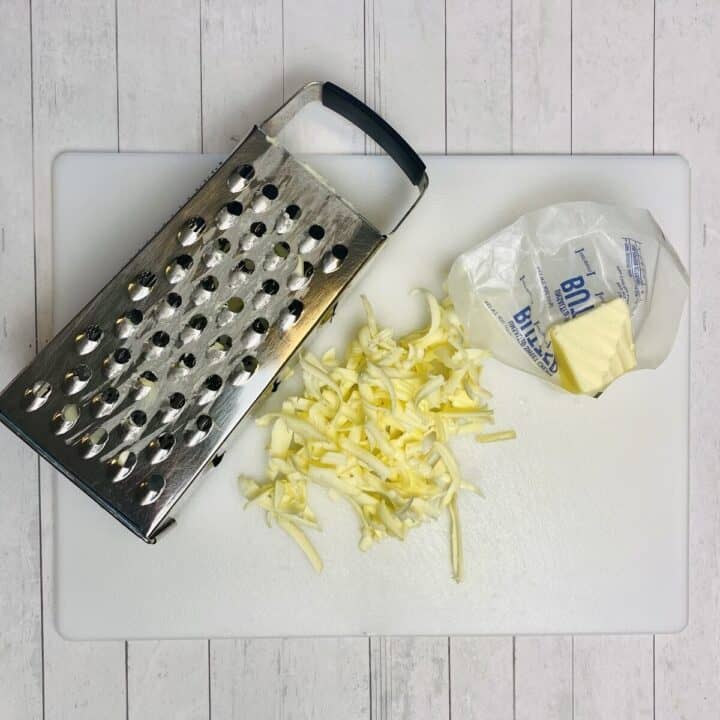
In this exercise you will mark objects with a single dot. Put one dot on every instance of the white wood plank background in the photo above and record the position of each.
(454, 76)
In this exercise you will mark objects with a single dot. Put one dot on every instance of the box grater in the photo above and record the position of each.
(138, 394)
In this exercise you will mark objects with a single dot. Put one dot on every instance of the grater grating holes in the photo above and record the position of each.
(138, 418)
(142, 285)
(76, 379)
(258, 229)
(254, 335)
(92, 443)
(220, 347)
(127, 324)
(122, 465)
(207, 286)
(290, 315)
(244, 371)
(286, 221)
(334, 258)
(132, 426)
(263, 296)
(228, 215)
(186, 362)
(175, 403)
(217, 251)
(178, 269)
(241, 272)
(169, 305)
(270, 287)
(264, 198)
(160, 339)
(65, 419)
(103, 403)
(88, 340)
(197, 430)
(190, 232)
(209, 389)
(281, 249)
(37, 395)
(114, 363)
(209, 273)
(300, 277)
(198, 322)
(144, 384)
(148, 491)
(110, 395)
(279, 253)
(240, 177)
(160, 447)
(230, 310)
(193, 329)
(315, 234)
(213, 382)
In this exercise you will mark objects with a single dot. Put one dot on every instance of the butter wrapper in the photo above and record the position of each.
(559, 262)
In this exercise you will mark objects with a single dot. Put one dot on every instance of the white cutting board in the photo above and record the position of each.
(584, 524)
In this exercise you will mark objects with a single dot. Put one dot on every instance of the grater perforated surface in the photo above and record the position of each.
(137, 394)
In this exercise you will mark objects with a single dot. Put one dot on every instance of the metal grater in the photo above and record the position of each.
(138, 394)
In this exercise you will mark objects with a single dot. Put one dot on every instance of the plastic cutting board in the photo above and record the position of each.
(584, 524)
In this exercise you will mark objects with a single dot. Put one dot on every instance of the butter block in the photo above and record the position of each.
(594, 348)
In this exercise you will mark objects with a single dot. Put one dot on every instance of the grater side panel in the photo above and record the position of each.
(247, 293)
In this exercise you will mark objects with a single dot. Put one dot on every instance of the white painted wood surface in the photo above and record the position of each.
(158, 75)
(542, 75)
(309, 679)
(612, 76)
(482, 678)
(242, 68)
(687, 118)
(20, 566)
(410, 678)
(543, 678)
(479, 77)
(168, 679)
(642, 76)
(613, 677)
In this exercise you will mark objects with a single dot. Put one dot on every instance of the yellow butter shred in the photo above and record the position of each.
(373, 431)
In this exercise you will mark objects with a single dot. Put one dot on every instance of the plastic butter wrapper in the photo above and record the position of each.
(560, 263)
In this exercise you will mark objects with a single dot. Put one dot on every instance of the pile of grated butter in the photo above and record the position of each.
(373, 430)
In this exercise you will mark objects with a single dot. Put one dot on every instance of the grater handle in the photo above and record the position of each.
(360, 115)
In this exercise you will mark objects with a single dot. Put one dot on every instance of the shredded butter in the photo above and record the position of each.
(374, 429)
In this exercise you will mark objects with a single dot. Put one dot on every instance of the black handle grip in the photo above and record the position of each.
(372, 124)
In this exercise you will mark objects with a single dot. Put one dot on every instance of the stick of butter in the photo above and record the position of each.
(594, 348)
